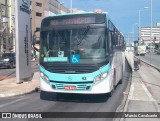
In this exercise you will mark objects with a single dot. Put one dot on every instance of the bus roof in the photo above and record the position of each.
(80, 13)
(77, 13)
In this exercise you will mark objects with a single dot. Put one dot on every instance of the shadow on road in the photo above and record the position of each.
(86, 98)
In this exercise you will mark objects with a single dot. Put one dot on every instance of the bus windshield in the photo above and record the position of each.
(58, 45)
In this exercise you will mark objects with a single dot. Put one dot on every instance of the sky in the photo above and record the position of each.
(123, 13)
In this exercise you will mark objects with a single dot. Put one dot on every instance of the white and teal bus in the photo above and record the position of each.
(80, 54)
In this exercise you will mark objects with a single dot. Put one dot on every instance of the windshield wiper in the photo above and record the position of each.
(61, 38)
(84, 35)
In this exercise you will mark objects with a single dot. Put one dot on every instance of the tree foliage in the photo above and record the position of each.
(157, 45)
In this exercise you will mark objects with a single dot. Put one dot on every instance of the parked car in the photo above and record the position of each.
(8, 60)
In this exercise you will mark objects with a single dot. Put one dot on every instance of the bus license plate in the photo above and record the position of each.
(70, 87)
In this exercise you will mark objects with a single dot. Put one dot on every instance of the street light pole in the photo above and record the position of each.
(151, 20)
(140, 23)
(70, 6)
(151, 31)
(130, 38)
(140, 30)
(133, 29)
(139, 39)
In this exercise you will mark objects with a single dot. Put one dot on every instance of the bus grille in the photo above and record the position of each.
(74, 69)
(60, 86)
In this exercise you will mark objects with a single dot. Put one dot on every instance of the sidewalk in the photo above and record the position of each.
(9, 87)
(139, 98)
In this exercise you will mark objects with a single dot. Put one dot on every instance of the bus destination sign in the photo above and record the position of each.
(72, 21)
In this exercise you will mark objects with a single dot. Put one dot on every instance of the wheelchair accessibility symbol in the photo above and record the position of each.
(75, 59)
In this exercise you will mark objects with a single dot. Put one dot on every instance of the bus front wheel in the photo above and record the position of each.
(46, 95)
(113, 88)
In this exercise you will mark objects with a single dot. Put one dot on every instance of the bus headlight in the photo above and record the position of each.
(100, 77)
(45, 78)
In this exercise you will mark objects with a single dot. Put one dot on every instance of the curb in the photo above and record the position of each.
(124, 103)
(149, 64)
(18, 94)
(128, 97)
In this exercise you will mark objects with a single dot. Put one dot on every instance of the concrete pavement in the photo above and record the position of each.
(140, 99)
(9, 87)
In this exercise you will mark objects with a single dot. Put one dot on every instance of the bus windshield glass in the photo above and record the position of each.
(59, 45)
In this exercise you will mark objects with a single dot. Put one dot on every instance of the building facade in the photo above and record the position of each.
(41, 9)
(149, 35)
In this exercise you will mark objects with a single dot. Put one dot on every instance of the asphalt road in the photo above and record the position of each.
(68, 103)
(152, 58)
(10, 73)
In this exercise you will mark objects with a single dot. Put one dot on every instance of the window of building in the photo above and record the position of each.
(38, 14)
(39, 4)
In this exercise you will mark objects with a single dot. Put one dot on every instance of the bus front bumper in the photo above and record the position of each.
(100, 88)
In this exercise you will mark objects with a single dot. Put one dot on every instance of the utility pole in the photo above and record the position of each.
(71, 5)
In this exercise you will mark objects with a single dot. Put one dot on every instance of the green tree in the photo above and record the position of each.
(157, 45)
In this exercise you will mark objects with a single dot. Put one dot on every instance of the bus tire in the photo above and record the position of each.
(113, 88)
(45, 95)
(110, 93)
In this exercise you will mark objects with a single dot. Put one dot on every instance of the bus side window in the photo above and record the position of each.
(110, 41)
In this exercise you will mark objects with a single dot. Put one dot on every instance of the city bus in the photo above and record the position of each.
(80, 53)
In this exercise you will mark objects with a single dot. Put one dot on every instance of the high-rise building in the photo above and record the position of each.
(75, 10)
(41, 9)
(44, 8)
(148, 36)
